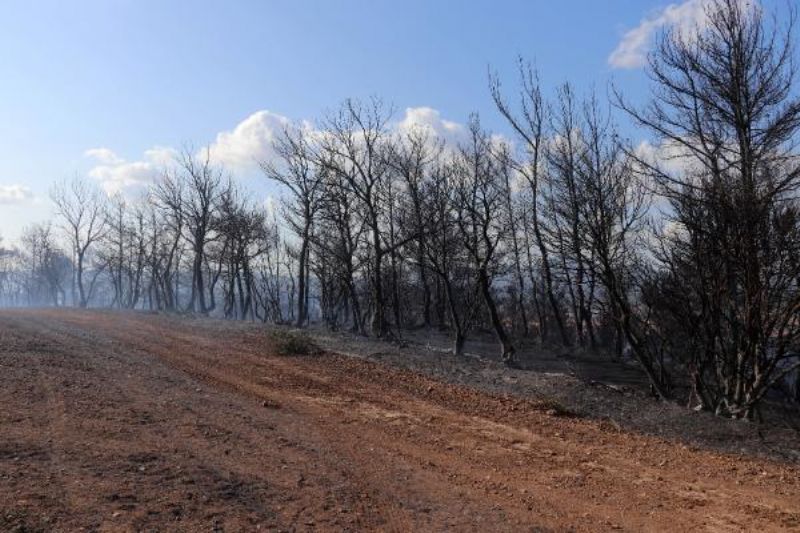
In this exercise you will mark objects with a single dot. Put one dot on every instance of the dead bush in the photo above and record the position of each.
(293, 342)
(555, 408)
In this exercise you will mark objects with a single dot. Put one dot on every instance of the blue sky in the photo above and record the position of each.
(136, 78)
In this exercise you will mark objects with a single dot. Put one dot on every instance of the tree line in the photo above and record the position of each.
(566, 234)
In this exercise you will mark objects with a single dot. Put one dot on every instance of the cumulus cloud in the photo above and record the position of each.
(103, 155)
(431, 121)
(15, 194)
(239, 150)
(631, 52)
(242, 148)
(440, 129)
(116, 175)
(161, 156)
(669, 157)
(249, 142)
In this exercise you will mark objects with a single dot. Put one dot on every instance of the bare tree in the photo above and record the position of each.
(446, 257)
(339, 240)
(203, 187)
(80, 206)
(512, 212)
(123, 251)
(613, 208)
(478, 202)
(723, 101)
(412, 157)
(166, 222)
(356, 149)
(564, 202)
(298, 171)
(244, 229)
(530, 125)
(46, 266)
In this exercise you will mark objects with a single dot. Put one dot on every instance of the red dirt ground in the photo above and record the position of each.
(127, 422)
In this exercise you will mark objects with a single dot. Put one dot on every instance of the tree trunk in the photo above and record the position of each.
(81, 292)
(378, 317)
(301, 281)
(548, 275)
(507, 349)
(458, 328)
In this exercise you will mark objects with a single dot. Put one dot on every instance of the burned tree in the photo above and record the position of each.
(356, 149)
(723, 102)
(298, 171)
(613, 206)
(564, 202)
(123, 251)
(530, 126)
(203, 185)
(166, 225)
(477, 202)
(446, 257)
(243, 232)
(338, 244)
(412, 157)
(46, 266)
(81, 208)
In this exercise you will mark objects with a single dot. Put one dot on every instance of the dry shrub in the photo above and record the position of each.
(293, 342)
(555, 408)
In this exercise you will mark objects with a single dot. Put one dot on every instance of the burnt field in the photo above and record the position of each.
(132, 421)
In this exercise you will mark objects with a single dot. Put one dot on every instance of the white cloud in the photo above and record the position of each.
(439, 129)
(241, 149)
(161, 156)
(669, 156)
(115, 175)
(15, 194)
(103, 155)
(238, 150)
(430, 120)
(631, 52)
(249, 142)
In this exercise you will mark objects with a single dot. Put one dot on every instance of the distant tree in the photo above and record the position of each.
(47, 268)
(478, 204)
(192, 193)
(356, 149)
(81, 208)
(530, 124)
(298, 171)
(413, 155)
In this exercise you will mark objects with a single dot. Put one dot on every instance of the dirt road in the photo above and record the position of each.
(117, 422)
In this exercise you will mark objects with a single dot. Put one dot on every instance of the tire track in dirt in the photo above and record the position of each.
(413, 453)
(298, 387)
(293, 449)
(62, 474)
